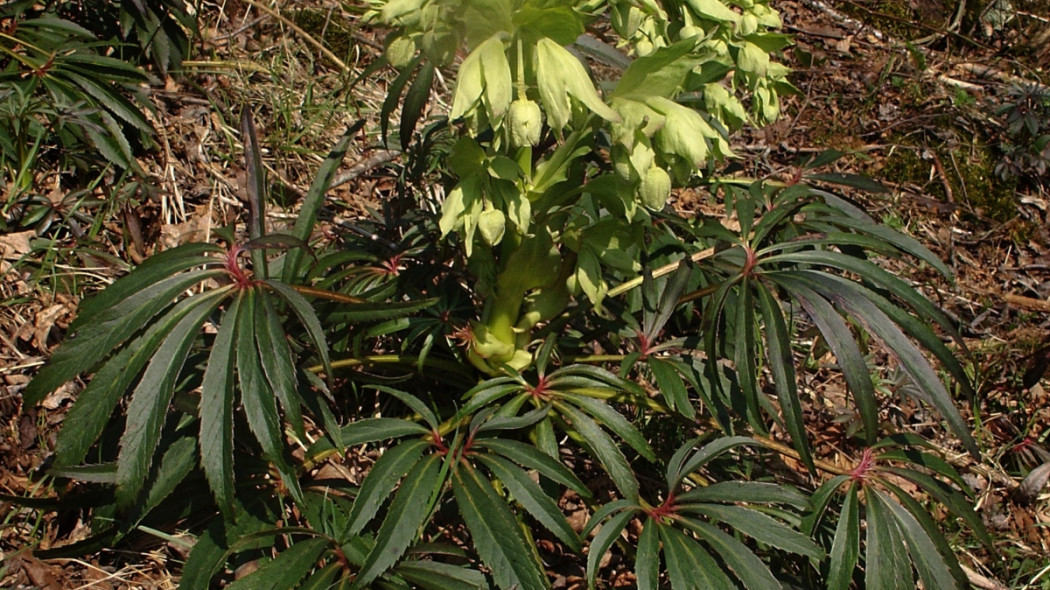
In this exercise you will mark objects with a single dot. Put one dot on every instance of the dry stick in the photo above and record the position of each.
(225, 65)
(380, 157)
(988, 72)
(1028, 303)
(980, 581)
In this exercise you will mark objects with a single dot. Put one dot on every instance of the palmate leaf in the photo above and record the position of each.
(746, 491)
(414, 103)
(372, 430)
(277, 363)
(285, 571)
(647, 556)
(858, 303)
(417, 405)
(603, 447)
(505, 419)
(746, 566)
(682, 463)
(530, 457)
(216, 410)
(107, 97)
(496, 533)
(149, 402)
(152, 270)
(930, 461)
(375, 311)
(529, 494)
(671, 386)
(760, 527)
(115, 317)
(315, 195)
(922, 307)
(607, 535)
(109, 138)
(952, 499)
(307, 317)
(408, 513)
(614, 421)
(746, 354)
(847, 354)
(257, 397)
(690, 566)
(782, 366)
(820, 502)
(324, 578)
(886, 564)
(931, 554)
(94, 407)
(659, 307)
(845, 547)
(223, 538)
(391, 466)
(434, 575)
(178, 461)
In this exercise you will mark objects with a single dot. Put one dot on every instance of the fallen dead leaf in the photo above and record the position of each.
(39, 573)
(43, 323)
(14, 246)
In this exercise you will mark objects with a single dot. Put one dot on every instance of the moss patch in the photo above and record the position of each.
(901, 18)
(969, 171)
(327, 28)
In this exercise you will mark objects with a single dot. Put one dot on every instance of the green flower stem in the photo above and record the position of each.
(663, 270)
(594, 359)
(396, 360)
(325, 294)
(503, 316)
(521, 71)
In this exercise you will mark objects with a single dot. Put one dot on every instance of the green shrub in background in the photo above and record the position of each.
(72, 91)
(541, 327)
(1026, 144)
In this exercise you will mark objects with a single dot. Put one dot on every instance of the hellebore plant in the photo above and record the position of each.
(541, 330)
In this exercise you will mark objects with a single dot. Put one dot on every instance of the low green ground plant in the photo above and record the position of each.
(530, 323)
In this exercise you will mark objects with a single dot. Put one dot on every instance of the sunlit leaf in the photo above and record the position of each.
(603, 540)
(287, 569)
(529, 494)
(408, 511)
(602, 446)
(149, 403)
(216, 411)
(384, 475)
(845, 548)
(496, 533)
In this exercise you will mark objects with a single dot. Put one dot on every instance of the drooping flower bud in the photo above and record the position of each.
(492, 224)
(525, 121)
(748, 24)
(655, 188)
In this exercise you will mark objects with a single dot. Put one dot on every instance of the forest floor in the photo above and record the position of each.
(918, 107)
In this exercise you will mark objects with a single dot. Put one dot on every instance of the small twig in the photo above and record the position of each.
(380, 157)
(939, 167)
(980, 581)
(988, 72)
(224, 64)
(1027, 303)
